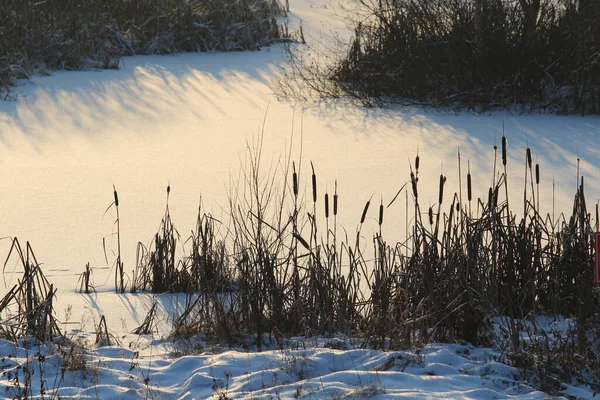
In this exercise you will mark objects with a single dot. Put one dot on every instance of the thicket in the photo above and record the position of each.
(476, 54)
(76, 34)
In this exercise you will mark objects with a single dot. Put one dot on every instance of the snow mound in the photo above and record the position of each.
(303, 371)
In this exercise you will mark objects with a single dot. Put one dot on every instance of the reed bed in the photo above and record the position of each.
(478, 55)
(64, 34)
(278, 269)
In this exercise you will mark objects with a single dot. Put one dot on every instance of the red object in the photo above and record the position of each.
(597, 269)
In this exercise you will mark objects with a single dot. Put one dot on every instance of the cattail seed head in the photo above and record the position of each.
(537, 174)
(301, 240)
(469, 190)
(413, 182)
(490, 198)
(314, 184)
(116, 197)
(364, 213)
(528, 152)
(295, 180)
(381, 214)
(335, 200)
(441, 191)
(504, 150)
(326, 205)
(417, 159)
(430, 216)
(335, 204)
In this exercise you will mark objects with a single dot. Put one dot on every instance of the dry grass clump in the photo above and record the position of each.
(549, 357)
(28, 305)
(84, 283)
(204, 269)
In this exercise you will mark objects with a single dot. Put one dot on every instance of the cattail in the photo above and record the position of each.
(528, 152)
(496, 197)
(381, 213)
(490, 198)
(116, 197)
(326, 205)
(301, 240)
(335, 200)
(168, 189)
(504, 150)
(314, 183)
(413, 182)
(417, 163)
(295, 180)
(469, 191)
(430, 216)
(537, 174)
(364, 213)
(441, 191)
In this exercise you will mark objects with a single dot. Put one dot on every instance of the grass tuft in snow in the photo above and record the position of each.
(27, 307)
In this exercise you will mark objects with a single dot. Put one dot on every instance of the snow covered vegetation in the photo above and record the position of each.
(65, 34)
(337, 368)
(476, 54)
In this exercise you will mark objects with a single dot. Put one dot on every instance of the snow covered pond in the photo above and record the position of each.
(187, 121)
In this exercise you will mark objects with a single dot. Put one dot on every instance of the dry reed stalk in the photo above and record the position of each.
(147, 325)
(119, 274)
(102, 335)
(85, 280)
